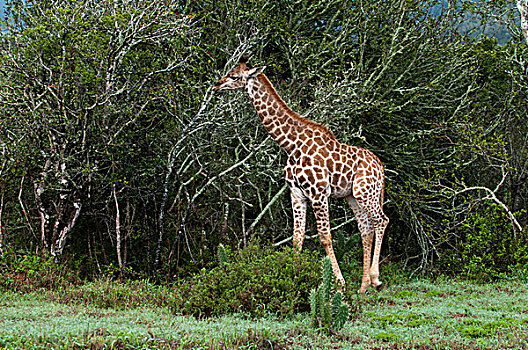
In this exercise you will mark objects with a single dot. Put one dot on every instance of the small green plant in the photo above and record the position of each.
(222, 256)
(404, 294)
(343, 246)
(475, 332)
(326, 312)
(386, 336)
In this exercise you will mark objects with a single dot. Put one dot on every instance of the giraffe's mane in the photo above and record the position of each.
(310, 123)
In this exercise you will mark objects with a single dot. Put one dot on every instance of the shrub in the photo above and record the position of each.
(488, 248)
(25, 271)
(257, 281)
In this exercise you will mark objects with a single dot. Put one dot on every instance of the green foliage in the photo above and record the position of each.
(222, 256)
(386, 336)
(106, 110)
(256, 280)
(107, 293)
(488, 248)
(478, 329)
(467, 315)
(26, 271)
(343, 246)
(328, 313)
(405, 294)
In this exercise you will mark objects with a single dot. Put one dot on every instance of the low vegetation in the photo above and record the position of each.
(327, 312)
(419, 314)
(256, 281)
(106, 313)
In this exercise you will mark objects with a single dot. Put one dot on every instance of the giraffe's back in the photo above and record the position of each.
(344, 163)
(342, 170)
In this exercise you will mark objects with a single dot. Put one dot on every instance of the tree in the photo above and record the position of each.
(83, 80)
(115, 151)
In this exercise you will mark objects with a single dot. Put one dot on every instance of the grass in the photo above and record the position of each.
(418, 314)
(456, 315)
(31, 322)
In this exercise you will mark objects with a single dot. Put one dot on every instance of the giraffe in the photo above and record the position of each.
(319, 167)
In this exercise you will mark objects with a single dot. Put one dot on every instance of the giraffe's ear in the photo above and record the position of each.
(253, 72)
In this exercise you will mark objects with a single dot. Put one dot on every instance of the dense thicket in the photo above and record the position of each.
(116, 156)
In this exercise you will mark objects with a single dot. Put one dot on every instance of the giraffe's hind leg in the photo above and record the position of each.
(380, 224)
(367, 235)
(371, 223)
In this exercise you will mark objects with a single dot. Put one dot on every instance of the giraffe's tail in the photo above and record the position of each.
(382, 195)
(382, 198)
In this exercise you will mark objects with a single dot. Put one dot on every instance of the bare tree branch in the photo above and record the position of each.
(491, 195)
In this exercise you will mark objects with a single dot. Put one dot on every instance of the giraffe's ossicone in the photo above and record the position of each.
(319, 167)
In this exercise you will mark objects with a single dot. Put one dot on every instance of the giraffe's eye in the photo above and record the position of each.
(234, 77)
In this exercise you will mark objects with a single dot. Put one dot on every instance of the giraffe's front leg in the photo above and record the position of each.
(320, 208)
(299, 217)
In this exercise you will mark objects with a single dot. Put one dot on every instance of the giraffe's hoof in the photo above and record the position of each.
(379, 287)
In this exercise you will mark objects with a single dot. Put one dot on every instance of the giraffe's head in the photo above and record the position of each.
(238, 77)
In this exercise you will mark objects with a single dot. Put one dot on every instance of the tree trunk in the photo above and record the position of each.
(522, 5)
(118, 232)
(60, 242)
(1, 227)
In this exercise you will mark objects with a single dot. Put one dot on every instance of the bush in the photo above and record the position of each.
(257, 281)
(25, 271)
(488, 248)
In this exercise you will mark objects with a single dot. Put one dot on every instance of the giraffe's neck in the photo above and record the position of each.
(283, 124)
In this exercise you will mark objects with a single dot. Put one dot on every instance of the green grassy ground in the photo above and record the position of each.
(419, 315)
